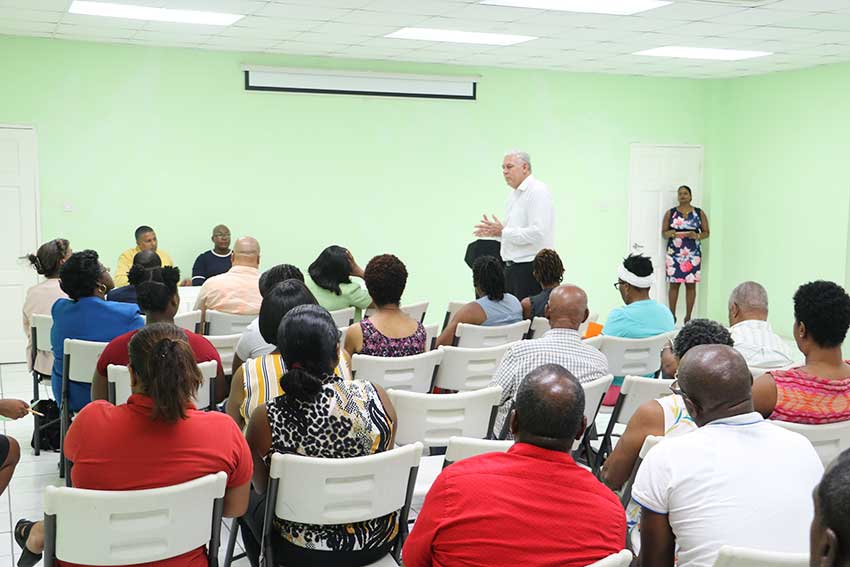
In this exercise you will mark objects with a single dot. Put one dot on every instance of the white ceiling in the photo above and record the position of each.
(801, 33)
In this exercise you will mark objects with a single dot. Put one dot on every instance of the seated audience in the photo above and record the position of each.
(641, 317)
(86, 315)
(156, 439)
(41, 297)
(830, 532)
(252, 344)
(145, 240)
(158, 297)
(532, 506)
(494, 305)
(330, 281)
(566, 310)
(10, 450)
(143, 262)
(318, 415)
(818, 391)
(258, 379)
(666, 416)
(389, 331)
(754, 337)
(237, 291)
(548, 271)
(738, 480)
(216, 261)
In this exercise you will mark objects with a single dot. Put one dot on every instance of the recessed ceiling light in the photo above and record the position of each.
(454, 36)
(133, 12)
(614, 7)
(703, 53)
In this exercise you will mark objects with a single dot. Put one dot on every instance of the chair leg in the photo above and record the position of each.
(231, 543)
(63, 428)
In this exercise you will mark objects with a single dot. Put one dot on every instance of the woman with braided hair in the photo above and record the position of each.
(548, 271)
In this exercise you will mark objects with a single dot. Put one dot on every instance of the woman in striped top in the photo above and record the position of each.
(819, 391)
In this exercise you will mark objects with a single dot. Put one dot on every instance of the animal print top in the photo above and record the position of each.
(347, 419)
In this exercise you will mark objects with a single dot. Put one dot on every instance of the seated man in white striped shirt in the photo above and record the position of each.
(562, 345)
(753, 336)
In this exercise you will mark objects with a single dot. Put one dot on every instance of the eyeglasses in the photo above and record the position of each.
(674, 387)
(617, 285)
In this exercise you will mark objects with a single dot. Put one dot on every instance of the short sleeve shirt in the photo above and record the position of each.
(352, 295)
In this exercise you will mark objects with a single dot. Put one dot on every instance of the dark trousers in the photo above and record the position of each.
(520, 280)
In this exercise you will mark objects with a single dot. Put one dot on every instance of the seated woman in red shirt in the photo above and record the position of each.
(156, 439)
(158, 297)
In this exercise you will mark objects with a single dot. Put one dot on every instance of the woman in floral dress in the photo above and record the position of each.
(684, 227)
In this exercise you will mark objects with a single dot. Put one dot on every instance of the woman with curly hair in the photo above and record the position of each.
(819, 391)
(86, 315)
(389, 331)
(548, 270)
(157, 296)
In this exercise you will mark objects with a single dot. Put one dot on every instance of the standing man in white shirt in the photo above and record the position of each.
(754, 338)
(529, 224)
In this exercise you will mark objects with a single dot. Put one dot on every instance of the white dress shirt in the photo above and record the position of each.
(529, 224)
(759, 345)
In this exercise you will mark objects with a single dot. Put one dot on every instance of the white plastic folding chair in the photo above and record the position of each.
(412, 373)
(190, 320)
(636, 390)
(757, 371)
(592, 318)
(188, 297)
(309, 490)
(743, 557)
(594, 391)
(431, 332)
(631, 356)
(648, 443)
(480, 336)
(79, 364)
(464, 447)
(621, 559)
(539, 326)
(218, 323)
(415, 311)
(343, 317)
(452, 308)
(226, 347)
(828, 439)
(40, 328)
(464, 369)
(118, 378)
(100, 527)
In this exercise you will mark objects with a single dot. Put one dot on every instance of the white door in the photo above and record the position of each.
(19, 233)
(655, 174)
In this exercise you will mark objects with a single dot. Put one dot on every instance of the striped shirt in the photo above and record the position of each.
(557, 346)
(759, 345)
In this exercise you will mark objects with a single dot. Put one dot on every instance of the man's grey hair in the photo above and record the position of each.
(750, 296)
(521, 156)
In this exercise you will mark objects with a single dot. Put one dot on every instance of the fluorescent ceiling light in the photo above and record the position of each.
(703, 53)
(133, 12)
(454, 36)
(614, 7)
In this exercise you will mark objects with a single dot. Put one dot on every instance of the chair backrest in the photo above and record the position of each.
(480, 336)
(413, 373)
(433, 419)
(648, 443)
(742, 557)
(226, 347)
(81, 359)
(188, 297)
(464, 369)
(594, 391)
(539, 326)
(632, 356)
(189, 320)
(219, 323)
(431, 332)
(828, 439)
(118, 378)
(757, 371)
(637, 390)
(592, 318)
(343, 317)
(451, 309)
(205, 397)
(464, 447)
(621, 559)
(100, 527)
(415, 311)
(319, 491)
(40, 327)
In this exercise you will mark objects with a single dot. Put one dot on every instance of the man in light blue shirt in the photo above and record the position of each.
(641, 317)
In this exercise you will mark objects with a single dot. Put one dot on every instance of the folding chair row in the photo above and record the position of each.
(415, 311)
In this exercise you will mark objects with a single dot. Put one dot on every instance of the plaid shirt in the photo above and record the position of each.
(557, 346)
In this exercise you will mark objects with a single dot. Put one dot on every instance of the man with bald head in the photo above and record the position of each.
(562, 344)
(236, 291)
(532, 506)
(754, 338)
(216, 261)
(738, 480)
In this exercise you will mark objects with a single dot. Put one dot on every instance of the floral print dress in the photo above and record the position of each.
(684, 256)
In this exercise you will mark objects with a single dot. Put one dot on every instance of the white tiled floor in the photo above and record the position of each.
(23, 497)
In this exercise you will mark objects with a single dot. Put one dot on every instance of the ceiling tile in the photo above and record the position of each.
(49, 5)
(227, 6)
(808, 5)
(692, 11)
(302, 12)
(24, 15)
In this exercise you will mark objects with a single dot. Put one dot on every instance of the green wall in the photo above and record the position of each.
(133, 135)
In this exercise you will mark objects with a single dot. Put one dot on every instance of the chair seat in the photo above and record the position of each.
(429, 469)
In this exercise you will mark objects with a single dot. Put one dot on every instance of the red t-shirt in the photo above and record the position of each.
(530, 506)
(121, 448)
(118, 351)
